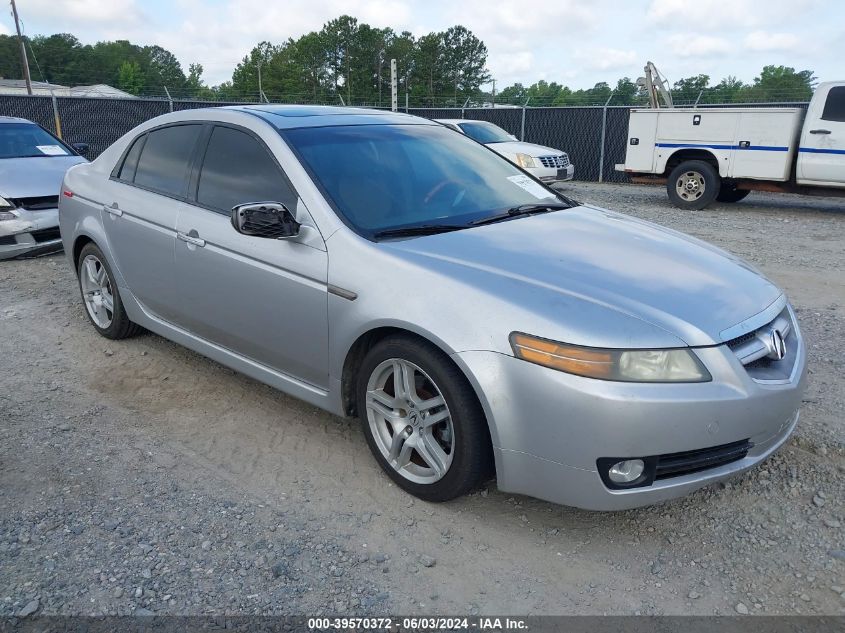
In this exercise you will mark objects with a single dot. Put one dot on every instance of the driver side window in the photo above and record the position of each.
(237, 168)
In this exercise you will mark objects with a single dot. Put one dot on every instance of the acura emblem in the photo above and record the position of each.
(777, 346)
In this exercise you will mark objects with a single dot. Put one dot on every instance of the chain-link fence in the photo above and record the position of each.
(593, 136)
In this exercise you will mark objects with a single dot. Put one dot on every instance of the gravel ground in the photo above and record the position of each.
(138, 476)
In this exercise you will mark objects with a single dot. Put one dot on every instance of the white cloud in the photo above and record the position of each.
(606, 58)
(723, 14)
(83, 12)
(5, 30)
(764, 41)
(693, 45)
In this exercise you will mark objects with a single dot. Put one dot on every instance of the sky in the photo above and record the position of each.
(574, 42)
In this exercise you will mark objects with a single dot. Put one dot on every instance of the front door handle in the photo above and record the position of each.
(819, 131)
(113, 209)
(190, 239)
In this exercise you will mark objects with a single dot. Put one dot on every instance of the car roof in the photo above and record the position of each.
(456, 121)
(298, 116)
(14, 119)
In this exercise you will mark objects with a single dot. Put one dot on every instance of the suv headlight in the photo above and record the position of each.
(525, 161)
(638, 365)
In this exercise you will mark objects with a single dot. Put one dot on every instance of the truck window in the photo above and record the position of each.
(834, 107)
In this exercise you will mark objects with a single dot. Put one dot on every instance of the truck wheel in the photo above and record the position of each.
(729, 193)
(693, 185)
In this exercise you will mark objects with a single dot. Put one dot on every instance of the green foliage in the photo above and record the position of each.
(129, 77)
(350, 60)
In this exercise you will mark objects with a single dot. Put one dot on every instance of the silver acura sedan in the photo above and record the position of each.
(379, 265)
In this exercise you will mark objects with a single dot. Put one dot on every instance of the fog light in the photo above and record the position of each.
(627, 471)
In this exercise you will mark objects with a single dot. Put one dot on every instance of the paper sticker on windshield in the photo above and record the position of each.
(530, 186)
(52, 150)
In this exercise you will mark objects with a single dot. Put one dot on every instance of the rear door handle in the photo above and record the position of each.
(190, 239)
(113, 209)
(819, 131)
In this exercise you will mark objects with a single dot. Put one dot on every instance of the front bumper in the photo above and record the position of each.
(32, 233)
(550, 174)
(550, 428)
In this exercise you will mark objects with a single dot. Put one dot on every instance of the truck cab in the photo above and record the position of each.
(821, 153)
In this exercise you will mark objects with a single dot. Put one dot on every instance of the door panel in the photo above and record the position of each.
(141, 228)
(821, 158)
(140, 210)
(265, 299)
(262, 298)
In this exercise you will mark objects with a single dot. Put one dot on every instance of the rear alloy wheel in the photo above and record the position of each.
(729, 193)
(422, 420)
(100, 295)
(693, 185)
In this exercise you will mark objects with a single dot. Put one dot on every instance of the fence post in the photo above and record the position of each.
(56, 113)
(603, 133)
(698, 98)
(169, 99)
(463, 107)
(522, 126)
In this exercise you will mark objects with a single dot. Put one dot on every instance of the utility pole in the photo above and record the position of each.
(394, 87)
(493, 104)
(260, 90)
(24, 60)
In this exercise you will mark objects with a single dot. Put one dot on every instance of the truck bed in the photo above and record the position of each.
(754, 143)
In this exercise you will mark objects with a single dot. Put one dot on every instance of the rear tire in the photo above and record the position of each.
(433, 460)
(100, 295)
(693, 185)
(729, 193)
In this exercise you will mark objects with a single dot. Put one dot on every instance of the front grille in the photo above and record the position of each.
(677, 464)
(555, 162)
(39, 203)
(46, 235)
(758, 353)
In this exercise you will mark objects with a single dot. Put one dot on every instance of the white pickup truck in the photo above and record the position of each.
(707, 154)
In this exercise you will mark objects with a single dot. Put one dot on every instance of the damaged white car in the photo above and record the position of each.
(32, 165)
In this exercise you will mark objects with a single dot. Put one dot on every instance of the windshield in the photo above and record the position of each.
(485, 132)
(381, 177)
(23, 140)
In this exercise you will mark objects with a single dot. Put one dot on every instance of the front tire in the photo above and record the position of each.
(100, 295)
(422, 420)
(693, 185)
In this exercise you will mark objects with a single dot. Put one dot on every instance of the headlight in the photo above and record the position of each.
(640, 365)
(6, 204)
(525, 161)
(6, 207)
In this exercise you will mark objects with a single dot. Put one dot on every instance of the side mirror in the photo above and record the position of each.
(81, 148)
(264, 219)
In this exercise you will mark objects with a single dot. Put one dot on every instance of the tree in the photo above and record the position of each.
(687, 90)
(625, 93)
(782, 83)
(130, 78)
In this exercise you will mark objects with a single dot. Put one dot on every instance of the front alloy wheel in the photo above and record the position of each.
(422, 419)
(410, 421)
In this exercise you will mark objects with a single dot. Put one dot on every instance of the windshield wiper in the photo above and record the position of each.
(523, 209)
(421, 229)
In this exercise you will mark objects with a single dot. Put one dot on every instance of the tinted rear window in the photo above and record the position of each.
(127, 170)
(165, 159)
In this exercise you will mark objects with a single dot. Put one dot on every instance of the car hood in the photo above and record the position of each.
(682, 285)
(518, 147)
(34, 177)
